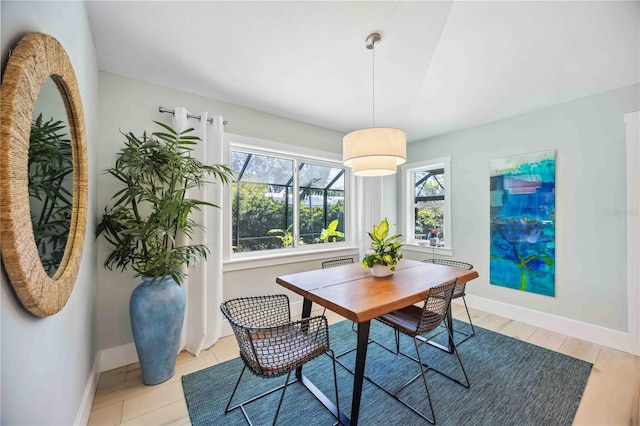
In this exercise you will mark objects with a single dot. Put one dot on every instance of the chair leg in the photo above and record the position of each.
(226, 410)
(354, 328)
(334, 359)
(464, 372)
(335, 381)
(353, 324)
(397, 346)
(466, 384)
(397, 341)
(241, 405)
(473, 330)
(395, 394)
(284, 389)
(423, 373)
(426, 341)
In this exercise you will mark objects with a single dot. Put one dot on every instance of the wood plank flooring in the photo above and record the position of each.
(611, 396)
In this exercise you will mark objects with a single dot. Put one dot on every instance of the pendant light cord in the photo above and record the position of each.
(373, 94)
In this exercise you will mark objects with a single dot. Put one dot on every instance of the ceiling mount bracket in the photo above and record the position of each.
(372, 40)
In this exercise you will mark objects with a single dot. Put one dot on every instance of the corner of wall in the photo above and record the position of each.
(84, 408)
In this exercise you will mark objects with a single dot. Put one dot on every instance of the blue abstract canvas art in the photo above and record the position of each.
(522, 253)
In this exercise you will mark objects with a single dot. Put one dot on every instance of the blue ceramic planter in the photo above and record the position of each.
(157, 314)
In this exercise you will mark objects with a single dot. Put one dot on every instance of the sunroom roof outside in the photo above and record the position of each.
(321, 177)
(254, 168)
(429, 185)
(263, 169)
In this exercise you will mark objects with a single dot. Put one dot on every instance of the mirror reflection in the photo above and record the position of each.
(50, 177)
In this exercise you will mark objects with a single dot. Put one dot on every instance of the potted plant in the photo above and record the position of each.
(149, 229)
(433, 237)
(385, 251)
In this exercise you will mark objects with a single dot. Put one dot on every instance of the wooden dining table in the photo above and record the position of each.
(352, 292)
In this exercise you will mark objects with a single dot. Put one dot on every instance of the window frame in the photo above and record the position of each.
(408, 171)
(234, 261)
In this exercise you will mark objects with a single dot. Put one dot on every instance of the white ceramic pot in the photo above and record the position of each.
(381, 270)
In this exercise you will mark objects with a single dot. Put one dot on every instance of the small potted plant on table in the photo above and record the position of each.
(384, 254)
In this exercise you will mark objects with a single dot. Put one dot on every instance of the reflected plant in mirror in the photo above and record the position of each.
(43, 205)
(50, 189)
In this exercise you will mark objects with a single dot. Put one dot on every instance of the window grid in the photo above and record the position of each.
(427, 203)
(320, 183)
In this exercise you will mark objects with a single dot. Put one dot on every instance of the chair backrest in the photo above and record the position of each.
(459, 291)
(270, 343)
(247, 313)
(435, 306)
(448, 262)
(337, 262)
(257, 311)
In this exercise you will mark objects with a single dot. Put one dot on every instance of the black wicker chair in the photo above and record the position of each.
(459, 291)
(421, 323)
(332, 264)
(272, 345)
(337, 262)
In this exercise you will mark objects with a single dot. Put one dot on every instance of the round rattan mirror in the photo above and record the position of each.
(36, 59)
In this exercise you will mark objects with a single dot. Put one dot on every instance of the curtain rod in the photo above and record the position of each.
(197, 117)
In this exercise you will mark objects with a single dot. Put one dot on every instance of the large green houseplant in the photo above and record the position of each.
(149, 229)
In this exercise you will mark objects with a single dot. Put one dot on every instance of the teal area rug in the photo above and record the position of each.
(512, 383)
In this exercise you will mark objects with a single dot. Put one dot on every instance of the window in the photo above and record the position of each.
(427, 203)
(283, 201)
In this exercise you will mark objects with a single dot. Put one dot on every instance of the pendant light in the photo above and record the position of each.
(376, 151)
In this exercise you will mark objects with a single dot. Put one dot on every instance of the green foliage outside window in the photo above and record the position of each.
(428, 218)
(257, 218)
(331, 233)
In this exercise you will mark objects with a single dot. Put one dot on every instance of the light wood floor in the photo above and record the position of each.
(611, 397)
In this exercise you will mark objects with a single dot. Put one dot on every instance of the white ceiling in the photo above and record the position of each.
(440, 67)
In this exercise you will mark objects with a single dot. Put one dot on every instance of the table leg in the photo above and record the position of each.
(306, 313)
(361, 357)
(306, 308)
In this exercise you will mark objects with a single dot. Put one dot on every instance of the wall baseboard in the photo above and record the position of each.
(118, 356)
(578, 329)
(84, 411)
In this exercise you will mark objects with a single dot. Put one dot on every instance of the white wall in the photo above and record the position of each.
(589, 138)
(47, 362)
(131, 105)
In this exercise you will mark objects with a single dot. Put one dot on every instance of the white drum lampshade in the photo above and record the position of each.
(376, 151)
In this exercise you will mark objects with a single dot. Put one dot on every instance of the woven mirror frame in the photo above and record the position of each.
(37, 57)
